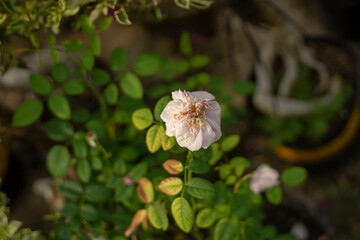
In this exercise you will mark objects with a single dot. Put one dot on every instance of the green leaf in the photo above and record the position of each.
(59, 106)
(85, 24)
(199, 61)
(40, 84)
(239, 164)
(285, 237)
(118, 59)
(131, 85)
(27, 113)
(51, 40)
(88, 59)
(73, 45)
(159, 107)
(83, 170)
(230, 142)
(224, 171)
(153, 137)
(111, 94)
(182, 213)
(294, 175)
(79, 145)
(148, 64)
(269, 232)
(200, 188)
(58, 130)
(58, 161)
(199, 166)
(69, 210)
(205, 218)
(244, 87)
(122, 17)
(59, 72)
(225, 229)
(274, 195)
(73, 88)
(95, 44)
(185, 40)
(100, 76)
(167, 142)
(119, 166)
(71, 189)
(142, 118)
(139, 171)
(171, 186)
(55, 55)
(81, 115)
(157, 216)
(97, 193)
(105, 23)
(89, 212)
(96, 163)
(241, 204)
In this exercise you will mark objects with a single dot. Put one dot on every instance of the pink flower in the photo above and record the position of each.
(263, 178)
(128, 181)
(193, 118)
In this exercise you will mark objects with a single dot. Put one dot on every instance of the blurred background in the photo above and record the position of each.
(277, 59)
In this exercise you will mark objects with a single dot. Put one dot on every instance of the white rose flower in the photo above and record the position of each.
(193, 118)
(263, 178)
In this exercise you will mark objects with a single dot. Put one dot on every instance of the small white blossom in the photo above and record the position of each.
(91, 138)
(263, 178)
(193, 118)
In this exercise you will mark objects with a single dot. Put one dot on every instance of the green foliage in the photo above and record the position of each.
(294, 175)
(58, 161)
(121, 157)
(27, 113)
(40, 84)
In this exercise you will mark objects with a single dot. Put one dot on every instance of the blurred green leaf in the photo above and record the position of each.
(89, 212)
(88, 59)
(294, 175)
(59, 72)
(199, 166)
(58, 130)
(148, 64)
(59, 106)
(71, 189)
(274, 195)
(244, 87)
(86, 25)
(58, 161)
(79, 145)
(131, 85)
(81, 115)
(40, 84)
(225, 229)
(230, 142)
(205, 218)
(111, 94)
(73, 45)
(97, 193)
(95, 44)
(100, 76)
(105, 23)
(185, 41)
(118, 59)
(27, 113)
(69, 210)
(83, 169)
(73, 88)
(199, 61)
